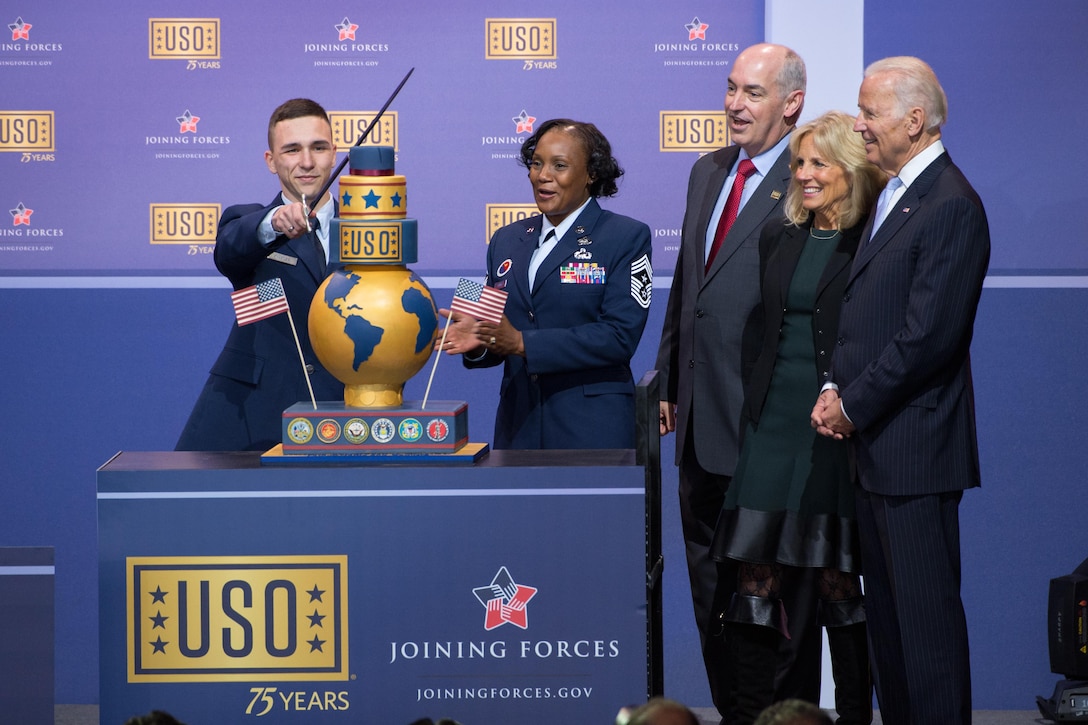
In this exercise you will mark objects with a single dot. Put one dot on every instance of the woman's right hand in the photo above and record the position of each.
(459, 337)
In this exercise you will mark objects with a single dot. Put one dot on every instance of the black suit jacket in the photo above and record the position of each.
(258, 374)
(902, 359)
(780, 247)
(711, 317)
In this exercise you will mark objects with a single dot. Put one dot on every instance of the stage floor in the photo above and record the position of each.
(88, 715)
(708, 716)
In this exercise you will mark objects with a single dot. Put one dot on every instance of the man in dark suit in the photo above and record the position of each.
(712, 314)
(904, 395)
(259, 374)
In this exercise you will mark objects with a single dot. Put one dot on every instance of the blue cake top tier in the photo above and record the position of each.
(372, 159)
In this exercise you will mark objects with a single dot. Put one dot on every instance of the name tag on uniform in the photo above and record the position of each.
(283, 258)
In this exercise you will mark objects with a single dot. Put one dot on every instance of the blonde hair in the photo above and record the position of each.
(836, 141)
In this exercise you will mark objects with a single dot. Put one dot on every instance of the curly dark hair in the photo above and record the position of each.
(603, 168)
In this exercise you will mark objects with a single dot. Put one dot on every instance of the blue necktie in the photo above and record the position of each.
(315, 224)
(883, 204)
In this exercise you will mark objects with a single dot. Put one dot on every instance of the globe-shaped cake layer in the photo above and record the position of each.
(373, 327)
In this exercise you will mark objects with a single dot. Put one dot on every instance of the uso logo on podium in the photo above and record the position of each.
(236, 619)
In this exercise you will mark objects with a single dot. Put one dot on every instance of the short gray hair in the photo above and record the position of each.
(791, 76)
(916, 85)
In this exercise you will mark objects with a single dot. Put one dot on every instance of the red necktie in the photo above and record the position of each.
(732, 205)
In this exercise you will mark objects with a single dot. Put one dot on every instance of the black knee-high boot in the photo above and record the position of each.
(846, 638)
(754, 625)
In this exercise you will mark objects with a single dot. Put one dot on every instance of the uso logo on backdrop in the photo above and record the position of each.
(347, 126)
(184, 223)
(27, 132)
(530, 40)
(700, 131)
(193, 39)
(499, 215)
(237, 618)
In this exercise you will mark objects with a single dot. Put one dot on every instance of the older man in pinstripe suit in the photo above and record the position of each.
(901, 390)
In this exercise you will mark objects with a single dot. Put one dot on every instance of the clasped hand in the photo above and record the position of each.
(827, 416)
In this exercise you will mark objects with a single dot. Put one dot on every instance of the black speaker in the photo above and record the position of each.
(1067, 635)
(1067, 624)
(1069, 703)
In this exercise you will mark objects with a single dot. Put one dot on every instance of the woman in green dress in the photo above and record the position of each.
(791, 501)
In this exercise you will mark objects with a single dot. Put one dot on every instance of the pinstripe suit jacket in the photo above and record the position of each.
(902, 359)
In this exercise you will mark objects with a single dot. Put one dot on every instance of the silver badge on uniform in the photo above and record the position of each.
(642, 281)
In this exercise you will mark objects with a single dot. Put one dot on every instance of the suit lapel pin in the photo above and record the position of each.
(776, 194)
(579, 230)
(584, 240)
(529, 230)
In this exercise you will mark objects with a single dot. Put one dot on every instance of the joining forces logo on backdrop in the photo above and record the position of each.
(347, 50)
(505, 601)
(180, 144)
(20, 30)
(696, 30)
(696, 51)
(21, 229)
(524, 122)
(36, 53)
(347, 29)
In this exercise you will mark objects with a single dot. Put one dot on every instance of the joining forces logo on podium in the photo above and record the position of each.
(505, 601)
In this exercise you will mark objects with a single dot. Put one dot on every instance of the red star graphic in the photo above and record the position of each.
(188, 122)
(347, 29)
(21, 215)
(525, 122)
(20, 30)
(696, 30)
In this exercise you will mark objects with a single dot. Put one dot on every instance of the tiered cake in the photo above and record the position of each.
(373, 324)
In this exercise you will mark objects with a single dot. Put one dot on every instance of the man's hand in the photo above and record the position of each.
(290, 220)
(667, 417)
(827, 416)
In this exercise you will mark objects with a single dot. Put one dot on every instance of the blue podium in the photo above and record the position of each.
(509, 590)
(26, 634)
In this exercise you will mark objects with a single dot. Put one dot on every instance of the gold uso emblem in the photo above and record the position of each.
(184, 223)
(27, 131)
(370, 242)
(348, 126)
(520, 39)
(499, 215)
(701, 131)
(183, 38)
(237, 618)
